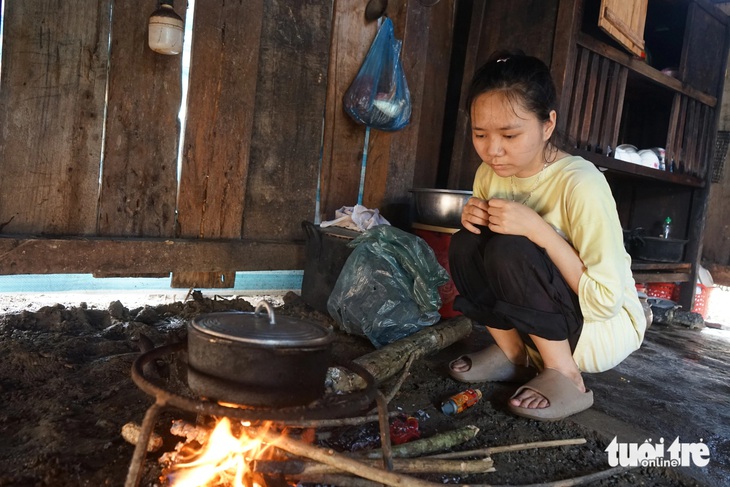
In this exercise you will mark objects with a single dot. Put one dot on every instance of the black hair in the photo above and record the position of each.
(524, 80)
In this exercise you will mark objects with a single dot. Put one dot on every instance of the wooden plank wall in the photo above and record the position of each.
(52, 91)
(498, 25)
(265, 129)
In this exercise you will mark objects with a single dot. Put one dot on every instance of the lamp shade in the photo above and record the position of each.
(166, 30)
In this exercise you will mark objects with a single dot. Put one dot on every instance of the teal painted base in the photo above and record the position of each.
(263, 281)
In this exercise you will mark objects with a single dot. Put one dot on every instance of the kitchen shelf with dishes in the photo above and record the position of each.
(638, 171)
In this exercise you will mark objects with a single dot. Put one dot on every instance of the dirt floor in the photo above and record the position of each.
(66, 393)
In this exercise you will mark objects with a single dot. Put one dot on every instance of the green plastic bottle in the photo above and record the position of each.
(667, 227)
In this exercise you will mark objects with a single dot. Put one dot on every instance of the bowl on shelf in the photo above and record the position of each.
(628, 153)
(439, 207)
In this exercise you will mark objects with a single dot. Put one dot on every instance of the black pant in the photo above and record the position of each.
(508, 282)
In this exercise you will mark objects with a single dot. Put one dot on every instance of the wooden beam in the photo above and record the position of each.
(127, 256)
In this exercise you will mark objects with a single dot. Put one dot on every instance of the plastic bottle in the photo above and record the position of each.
(666, 228)
(461, 401)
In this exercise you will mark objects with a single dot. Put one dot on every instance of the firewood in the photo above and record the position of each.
(330, 457)
(401, 465)
(189, 431)
(516, 447)
(414, 465)
(423, 446)
(391, 359)
(399, 383)
(131, 432)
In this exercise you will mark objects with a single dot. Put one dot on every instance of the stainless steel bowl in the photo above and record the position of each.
(439, 207)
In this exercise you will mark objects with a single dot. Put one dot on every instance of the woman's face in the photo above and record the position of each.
(510, 139)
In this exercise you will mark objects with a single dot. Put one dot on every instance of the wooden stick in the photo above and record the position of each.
(501, 449)
(330, 457)
(417, 448)
(327, 423)
(415, 465)
(399, 383)
(390, 359)
(384, 425)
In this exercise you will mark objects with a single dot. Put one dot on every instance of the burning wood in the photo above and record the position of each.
(232, 455)
(238, 454)
(225, 457)
(191, 432)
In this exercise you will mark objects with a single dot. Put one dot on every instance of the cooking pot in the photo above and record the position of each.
(439, 207)
(257, 359)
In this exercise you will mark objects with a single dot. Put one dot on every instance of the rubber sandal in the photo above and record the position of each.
(491, 365)
(565, 398)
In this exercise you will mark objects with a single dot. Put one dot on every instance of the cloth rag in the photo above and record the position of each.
(358, 218)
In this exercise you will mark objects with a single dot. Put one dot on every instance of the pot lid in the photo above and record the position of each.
(262, 328)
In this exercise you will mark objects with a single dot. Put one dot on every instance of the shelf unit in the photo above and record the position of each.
(608, 96)
(669, 99)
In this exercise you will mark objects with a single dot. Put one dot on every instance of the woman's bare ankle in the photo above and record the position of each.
(572, 373)
(518, 357)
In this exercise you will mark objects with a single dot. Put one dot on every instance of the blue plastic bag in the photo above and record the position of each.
(388, 287)
(378, 96)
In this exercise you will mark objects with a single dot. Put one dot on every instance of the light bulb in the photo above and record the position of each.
(166, 30)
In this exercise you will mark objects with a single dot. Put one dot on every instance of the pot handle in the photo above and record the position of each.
(269, 310)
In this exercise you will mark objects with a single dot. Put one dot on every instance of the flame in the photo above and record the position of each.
(225, 459)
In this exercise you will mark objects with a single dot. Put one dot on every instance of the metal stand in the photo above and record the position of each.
(336, 406)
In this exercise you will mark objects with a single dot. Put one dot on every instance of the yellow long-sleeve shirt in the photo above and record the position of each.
(574, 198)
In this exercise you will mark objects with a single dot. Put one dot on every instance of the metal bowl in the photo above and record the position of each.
(439, 207)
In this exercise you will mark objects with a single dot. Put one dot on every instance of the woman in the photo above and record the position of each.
(540, 260)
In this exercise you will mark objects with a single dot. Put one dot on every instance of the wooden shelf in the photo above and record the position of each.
(636, 170)
(639, 66)
(645, 271)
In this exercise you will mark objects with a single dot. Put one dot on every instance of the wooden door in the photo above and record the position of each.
(624, 21)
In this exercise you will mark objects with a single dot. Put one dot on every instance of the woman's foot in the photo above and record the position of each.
(531, 399)
(490, 365)
(464, 363)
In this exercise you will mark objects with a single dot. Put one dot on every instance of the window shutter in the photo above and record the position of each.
(624, 21)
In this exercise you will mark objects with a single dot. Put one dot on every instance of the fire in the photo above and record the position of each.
(225, 459)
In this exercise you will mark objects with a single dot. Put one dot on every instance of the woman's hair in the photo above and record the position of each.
(523, 79)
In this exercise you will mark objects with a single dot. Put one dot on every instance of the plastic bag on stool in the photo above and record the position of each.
(388, 287)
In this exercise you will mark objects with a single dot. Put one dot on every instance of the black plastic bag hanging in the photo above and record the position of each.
(378, 96)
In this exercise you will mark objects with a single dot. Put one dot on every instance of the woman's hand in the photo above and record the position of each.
(502, 216)
(475, 212)
(512, 218)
